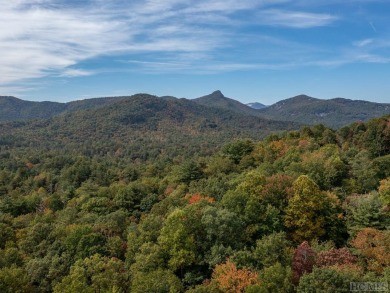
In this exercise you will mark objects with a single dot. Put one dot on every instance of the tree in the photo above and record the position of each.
(189, 234)
(303, 261)
(95, 274)
(276, 279)
(364, 173)
(335, 257)
(305, 213)
(271, 249)
(82, 242)
(198, 197)
(326, 280)
(252, 184)
(247, 201)
(277, 190)
(159, 281)
(6, 234)
(221, 227)
(366, 211)
(14, 280)
(384, 191)
(374, 247)
(237, 150)
(230, 279)
(178, 240)
(150, 257)
(325, 166)
(189, 171)
(377, 136)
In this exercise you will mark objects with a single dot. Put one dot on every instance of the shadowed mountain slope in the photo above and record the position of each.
(334, 113)
(138, 123)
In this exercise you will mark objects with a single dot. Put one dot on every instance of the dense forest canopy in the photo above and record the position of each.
(299, 211)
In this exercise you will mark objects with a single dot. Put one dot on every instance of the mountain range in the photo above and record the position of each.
(140, 126)
(334, 113)
(301, 109)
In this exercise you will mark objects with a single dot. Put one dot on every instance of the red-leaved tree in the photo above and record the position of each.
(303, 261)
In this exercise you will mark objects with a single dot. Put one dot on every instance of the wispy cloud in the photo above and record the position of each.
(295, 19)
(363, 43)
(54, 38)
(41, 39)
(70, 72)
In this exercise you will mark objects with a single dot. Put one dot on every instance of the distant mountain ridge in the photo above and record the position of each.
(256, 105)
(335, 113)
(301, 109)
(14, 109)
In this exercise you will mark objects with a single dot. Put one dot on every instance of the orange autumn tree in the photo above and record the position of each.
(374, 246)
(230, 279)
(194, 198)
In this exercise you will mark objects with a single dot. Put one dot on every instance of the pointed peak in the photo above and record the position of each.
(218, 94)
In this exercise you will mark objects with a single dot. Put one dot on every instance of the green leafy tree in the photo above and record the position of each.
(326, 280)
(306, 211)
(189, 171)
(81, 241)
(384, 191)
(14, 280)
(178, 240)
(271, 249)
(364, 173)
(95, 274)
(237, 150)
(6, 234)
(195, 234)
(276, 278)
(366, 211)
(159, 281)
(150, 257)
(325, 166)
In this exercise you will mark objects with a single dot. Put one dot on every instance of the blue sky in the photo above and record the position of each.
(251, 50)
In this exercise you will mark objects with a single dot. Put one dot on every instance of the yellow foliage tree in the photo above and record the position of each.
(304, 214)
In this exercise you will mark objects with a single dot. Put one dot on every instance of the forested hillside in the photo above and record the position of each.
(301, 109)
(141, 126)
(14, 109)
(334, 113)
(299, 211)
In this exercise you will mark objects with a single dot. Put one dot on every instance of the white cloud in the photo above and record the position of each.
(363, 43)
(39, 40)
(44, 38)
(70, 72)
(294, 19)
